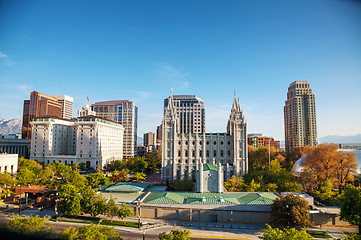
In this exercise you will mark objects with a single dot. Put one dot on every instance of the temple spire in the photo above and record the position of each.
(234, 106)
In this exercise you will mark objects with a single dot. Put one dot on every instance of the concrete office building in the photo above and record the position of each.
(126, 113)
(66, 105)
(209, 158)
(13, 144)
(300, 116)
(190, 113)
(39, 105)
(149, 139)
(89, 139)
(8, 163)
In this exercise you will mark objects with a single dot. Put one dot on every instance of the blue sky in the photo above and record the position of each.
(137, 50)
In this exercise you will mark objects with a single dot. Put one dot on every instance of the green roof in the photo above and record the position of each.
(209, 166)
(127, 187)
(211, 198)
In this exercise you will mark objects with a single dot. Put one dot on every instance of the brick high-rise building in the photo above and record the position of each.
(300, 116)
(39, 105)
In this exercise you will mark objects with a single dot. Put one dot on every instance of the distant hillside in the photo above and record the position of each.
(10, 126)
(341, 139)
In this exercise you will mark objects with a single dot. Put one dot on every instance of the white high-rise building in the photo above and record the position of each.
(67, 105)
(124, 112)
(86, 111)
(90, 140)
(208, 158)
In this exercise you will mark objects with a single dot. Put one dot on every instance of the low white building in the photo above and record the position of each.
(8, 163)
(89, 139)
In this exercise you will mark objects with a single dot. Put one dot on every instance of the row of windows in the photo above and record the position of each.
(200, 143)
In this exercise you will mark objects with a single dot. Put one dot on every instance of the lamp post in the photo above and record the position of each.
(287, 215)
(190, 216)
(56, 207)
(20, 201)
(138, 203)
(231, 218)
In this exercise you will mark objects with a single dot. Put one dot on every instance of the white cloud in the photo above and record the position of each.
(7, 60)
(2, 55)
(170, 74)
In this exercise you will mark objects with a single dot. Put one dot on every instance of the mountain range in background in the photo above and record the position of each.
(341, 139)
(11, 126)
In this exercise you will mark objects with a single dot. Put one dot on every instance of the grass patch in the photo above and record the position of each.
(318, 234)
(85, 218)
(120, 223)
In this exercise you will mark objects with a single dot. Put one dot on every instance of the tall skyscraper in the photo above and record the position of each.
(126, 113)
(67, 105)
(149, 139)
(300, 116)
(190, 112)
(39, 105)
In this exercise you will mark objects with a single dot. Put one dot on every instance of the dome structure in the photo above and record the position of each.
(297, 168)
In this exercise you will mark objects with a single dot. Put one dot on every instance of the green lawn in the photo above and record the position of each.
(120, 223)
(318, 234)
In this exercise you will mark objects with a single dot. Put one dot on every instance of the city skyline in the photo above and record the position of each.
(119, 50)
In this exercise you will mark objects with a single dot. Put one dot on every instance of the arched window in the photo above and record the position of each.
(207, 153)
(186, 153)
(193, 153)
(214, 153)
(221, 153)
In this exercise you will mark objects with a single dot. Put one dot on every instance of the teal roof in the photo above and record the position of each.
(127, 187)
(209, 166)
(211, 198)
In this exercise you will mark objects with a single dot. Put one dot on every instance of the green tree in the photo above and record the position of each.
(175, 235)
(154, 162)
(111, 209)
(136, 164)
(33, 225)
(351, 206)
(286, 234)
(235, 184)
(92, 203)
(6, 180)
(124, 211)
(25, 176)
(60, 169)
(5, 193)
(185, 184)
(71, 205)
(98, 179)
(90, 232)
(139, 177)
(290, 211)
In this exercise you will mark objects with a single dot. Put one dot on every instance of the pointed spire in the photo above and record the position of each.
(171, 91)
(234, 106)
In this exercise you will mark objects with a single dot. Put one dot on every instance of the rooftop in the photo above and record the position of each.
(127, 187)
(234, 198)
